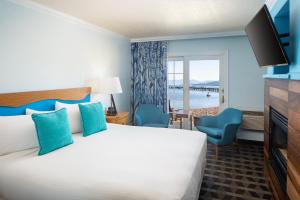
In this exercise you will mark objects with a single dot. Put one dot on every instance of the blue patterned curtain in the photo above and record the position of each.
(149, 74)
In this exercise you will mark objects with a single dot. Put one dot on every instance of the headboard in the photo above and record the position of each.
(16, 103)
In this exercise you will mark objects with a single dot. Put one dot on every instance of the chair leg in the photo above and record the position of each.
(217, 152)
(237, 145)
(181, 123)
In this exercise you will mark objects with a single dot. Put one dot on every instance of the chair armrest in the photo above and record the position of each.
(231, 127)
(207, 121)
(165, 117)
(138, 120)
(230, 131)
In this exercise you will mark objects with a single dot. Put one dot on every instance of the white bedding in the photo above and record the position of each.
(123, 163)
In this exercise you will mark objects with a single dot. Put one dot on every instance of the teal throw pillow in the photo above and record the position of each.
(53, 130)
(93, 118)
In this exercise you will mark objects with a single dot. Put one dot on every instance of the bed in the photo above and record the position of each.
(123, 162)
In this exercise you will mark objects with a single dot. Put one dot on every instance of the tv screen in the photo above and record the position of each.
(265, 41)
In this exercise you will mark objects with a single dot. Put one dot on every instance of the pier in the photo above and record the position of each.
(203, 88)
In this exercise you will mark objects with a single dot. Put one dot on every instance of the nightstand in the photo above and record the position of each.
(120, 118)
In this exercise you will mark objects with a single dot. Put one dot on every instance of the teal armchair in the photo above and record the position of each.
(149, 115)
(221, 130)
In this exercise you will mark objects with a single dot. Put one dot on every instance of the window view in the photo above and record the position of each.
(175, 84)
(203, 84)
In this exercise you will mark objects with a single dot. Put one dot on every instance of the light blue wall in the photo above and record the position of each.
(246, 84)
(42, 50)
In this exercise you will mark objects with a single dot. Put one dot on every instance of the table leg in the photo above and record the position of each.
(180, 122)
(191, 122)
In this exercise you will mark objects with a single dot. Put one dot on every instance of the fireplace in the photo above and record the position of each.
(278, 146)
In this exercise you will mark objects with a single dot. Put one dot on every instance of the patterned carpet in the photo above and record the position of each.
(235, 175)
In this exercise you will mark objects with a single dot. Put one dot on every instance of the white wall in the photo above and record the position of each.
(41, 49)
(246, 84)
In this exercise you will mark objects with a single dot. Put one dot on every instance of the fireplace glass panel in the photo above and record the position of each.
(278, 146)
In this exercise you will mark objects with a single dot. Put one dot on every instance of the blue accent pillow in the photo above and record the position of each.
(93, 118)
(53, 130)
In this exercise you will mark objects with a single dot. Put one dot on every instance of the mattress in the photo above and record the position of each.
(123, 162)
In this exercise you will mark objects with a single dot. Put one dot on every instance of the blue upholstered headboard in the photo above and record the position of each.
(16, 103)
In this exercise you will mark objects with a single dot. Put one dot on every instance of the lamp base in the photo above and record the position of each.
(111, 111)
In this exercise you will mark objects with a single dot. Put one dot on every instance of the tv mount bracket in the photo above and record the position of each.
(284, 35)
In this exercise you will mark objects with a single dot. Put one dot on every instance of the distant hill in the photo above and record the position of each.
(196, 83)
(207, 83)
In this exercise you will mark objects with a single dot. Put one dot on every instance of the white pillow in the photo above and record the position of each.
(31, 111)
(17, 133)
(73, 115)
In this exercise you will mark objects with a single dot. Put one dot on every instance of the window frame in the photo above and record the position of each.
(173, 59)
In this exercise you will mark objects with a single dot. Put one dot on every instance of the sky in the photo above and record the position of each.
(204, 70)
(200, 70)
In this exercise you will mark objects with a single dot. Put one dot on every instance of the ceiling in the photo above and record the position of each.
(151, 18)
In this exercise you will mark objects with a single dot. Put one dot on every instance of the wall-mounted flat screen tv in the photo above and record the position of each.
(265, 40)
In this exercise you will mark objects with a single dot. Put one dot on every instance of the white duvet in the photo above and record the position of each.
(121, 163)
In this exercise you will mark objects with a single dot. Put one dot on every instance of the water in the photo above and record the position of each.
(198, 99)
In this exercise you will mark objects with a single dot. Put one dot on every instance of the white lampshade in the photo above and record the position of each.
(105, 85)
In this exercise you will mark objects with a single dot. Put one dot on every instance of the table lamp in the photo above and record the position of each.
(107, 85)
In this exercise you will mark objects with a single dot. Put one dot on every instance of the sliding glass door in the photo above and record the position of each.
(198, 83)
(204, 85)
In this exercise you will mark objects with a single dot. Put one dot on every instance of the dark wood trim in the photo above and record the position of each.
(253, 120)
(23, 98)
(294, 86)
(276, 189)
(280, 106)
(291, 190)
(278, 83)
(294, 175)
(243, 141)
(284, 96)
(266, 154)
(258, 113)
(293, 187)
